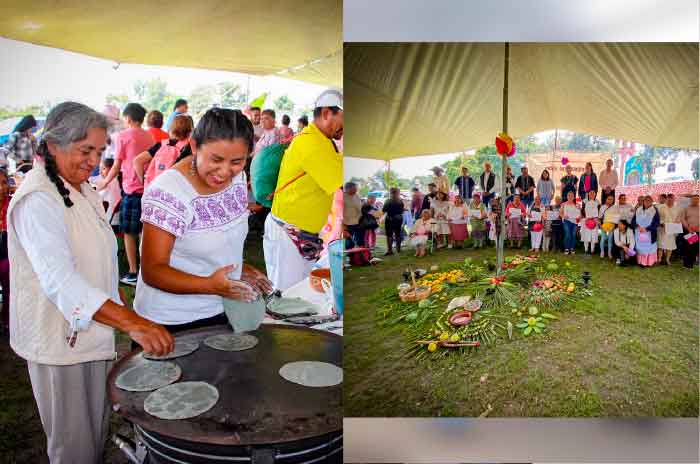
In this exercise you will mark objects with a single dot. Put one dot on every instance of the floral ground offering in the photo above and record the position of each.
(626, 346)
(471, 307)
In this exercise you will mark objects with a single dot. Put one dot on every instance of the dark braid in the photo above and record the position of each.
(52, 172)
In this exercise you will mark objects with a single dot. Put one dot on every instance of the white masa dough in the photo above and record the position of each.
(312, 373)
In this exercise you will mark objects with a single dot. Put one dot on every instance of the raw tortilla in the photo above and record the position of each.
(149, 375)
(181, 349)
(182, 400)
(312, 373)
(231, 342)
(291, 306)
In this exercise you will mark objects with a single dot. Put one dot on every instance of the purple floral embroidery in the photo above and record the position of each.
(219, 209)
(157, 195)
(164, 219)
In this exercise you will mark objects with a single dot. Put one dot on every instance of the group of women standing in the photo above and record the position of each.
(66, 300)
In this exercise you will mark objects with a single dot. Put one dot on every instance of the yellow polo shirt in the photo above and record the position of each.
(307, 201)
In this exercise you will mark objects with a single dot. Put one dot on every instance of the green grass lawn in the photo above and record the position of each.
(629, 350)
(22, 438)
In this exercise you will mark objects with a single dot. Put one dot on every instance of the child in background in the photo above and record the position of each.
(553, 233)
(161, 156)
(536, 224)
(111, 195)
(609, 217)
(477, 220)
(154, 121)
(130, 143)
(420, 232)
(589, 225)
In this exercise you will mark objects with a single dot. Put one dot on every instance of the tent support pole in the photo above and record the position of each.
(504, 160)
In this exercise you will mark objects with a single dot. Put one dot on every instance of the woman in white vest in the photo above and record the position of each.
(195, 222)
(64, 285)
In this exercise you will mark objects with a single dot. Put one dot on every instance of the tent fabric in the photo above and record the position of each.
(298, 40)
(411, 99)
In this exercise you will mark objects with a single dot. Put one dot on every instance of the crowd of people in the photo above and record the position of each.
(583, 210)
(181, 199)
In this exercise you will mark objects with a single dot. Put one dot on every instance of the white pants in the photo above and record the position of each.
(536, 239)
(72, 403)
(285, 266)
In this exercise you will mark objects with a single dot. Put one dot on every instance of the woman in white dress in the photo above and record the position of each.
(668, 214)
(440, 209)
(195, 223)
(589, 225)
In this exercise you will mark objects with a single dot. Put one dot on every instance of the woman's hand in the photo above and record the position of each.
(154, 338)
(220, 284)
(642, 229)
(257, 279)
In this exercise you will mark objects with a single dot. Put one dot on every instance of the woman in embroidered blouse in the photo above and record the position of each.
(623, 251)
(195, 223)
(645, 223)
(457, 217)
(440, 208)
(515, 230)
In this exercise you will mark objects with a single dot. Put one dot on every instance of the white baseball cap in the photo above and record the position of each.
(330, 97)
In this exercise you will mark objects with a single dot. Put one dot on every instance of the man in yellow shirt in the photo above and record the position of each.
(310, 173)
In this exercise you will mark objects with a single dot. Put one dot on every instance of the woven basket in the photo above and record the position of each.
(415, 294)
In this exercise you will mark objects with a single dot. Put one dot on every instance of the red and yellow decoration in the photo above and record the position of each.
(505, 145)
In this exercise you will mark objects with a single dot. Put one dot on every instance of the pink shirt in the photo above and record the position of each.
(286, 134)
(130, 143)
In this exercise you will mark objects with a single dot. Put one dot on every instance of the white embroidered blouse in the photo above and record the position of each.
(209, 231)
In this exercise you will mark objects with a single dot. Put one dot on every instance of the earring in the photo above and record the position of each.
(193, 165)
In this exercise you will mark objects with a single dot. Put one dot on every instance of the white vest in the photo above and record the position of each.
(38, 329)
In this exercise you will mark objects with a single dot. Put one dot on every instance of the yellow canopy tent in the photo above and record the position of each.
(297, 40)
(419, 99)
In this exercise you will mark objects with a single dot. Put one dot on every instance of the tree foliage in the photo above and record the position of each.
(284, 103)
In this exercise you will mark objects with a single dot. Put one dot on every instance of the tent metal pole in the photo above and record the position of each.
(504, 158)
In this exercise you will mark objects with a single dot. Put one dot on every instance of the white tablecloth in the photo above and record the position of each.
(303, 290)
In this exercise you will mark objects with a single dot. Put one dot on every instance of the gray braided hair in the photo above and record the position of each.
(66, 123)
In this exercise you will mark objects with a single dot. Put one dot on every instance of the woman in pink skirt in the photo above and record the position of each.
(515, 214)
(457, 219)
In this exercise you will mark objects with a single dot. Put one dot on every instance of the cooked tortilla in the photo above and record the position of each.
(231, 342)
(148, 375)
(182, 400)
(312, 373)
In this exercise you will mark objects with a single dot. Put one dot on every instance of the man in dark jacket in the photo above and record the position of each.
(465, 184)
(525, 186)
